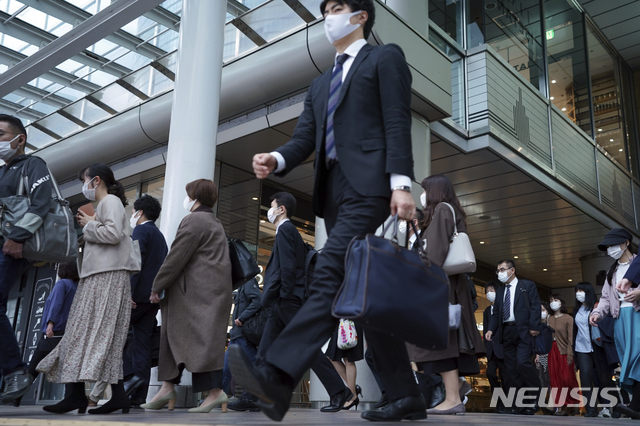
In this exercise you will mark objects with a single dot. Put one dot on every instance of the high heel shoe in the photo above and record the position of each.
(169, 398)
(354, 403)
(74, 399)
(119, 401)
(358, 390)
(222, 399)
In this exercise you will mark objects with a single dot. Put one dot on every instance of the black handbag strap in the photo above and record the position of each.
(393, 221)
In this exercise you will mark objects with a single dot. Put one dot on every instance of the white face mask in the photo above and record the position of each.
(544, 315)
(423, 200)
(188, 203)
(615, 252)
(555, 306)
(580, 297)
(402, 227)
(6, 152)
(271, 215)
(491, 296)
(338, 26)
(503, 277)
(134, 219)
(89, 193)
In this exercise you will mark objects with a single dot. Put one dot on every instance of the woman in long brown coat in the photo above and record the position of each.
(196, 280)
(465, 344)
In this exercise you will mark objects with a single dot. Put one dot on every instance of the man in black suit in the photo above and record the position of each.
(495, 356)
(153, 248)
(516, 317)
(284, 292)
(357, 121)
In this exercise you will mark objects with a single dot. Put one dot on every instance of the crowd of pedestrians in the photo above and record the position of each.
(126, 273)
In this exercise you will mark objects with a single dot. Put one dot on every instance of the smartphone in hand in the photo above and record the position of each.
(87, 209)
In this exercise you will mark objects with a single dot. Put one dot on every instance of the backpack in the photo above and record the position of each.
(310, 260)
(542, 342)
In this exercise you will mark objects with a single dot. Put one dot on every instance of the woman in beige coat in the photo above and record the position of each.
(460, 358)
(195, 279)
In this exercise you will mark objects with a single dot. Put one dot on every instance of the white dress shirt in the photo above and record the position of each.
(512, 289)
(352, 51)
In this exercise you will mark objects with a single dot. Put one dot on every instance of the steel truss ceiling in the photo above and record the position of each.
(66, 65)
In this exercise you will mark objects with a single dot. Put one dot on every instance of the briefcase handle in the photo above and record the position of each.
(393, 221)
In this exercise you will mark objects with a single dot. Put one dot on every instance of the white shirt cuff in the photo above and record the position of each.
(280, 159)
(396, 180)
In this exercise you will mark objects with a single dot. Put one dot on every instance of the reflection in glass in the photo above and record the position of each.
(37, 138)
(313, 6)
(447, 15)
(235, 43)
(86, 111)
(630, 122)
(59, 125)
(273, 20)
(117, 97)
(155, 188)
(568, 85)
(513, 29)
(605, 92)
(457, 78)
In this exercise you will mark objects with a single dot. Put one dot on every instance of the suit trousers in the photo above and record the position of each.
(137, 360)
(11, 271)
(280, 315)
(517, 358)
(347, 214)
(44, 348)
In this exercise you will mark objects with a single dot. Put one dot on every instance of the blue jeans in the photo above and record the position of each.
(11, 270)
(251, 352)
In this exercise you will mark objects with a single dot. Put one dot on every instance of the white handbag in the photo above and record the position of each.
(460, 258)
(347, 335)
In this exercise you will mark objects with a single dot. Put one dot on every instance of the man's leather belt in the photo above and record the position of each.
(509, 323)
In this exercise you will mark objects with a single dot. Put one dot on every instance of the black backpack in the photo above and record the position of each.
(310, 260)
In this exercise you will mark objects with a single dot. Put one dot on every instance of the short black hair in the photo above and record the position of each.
(149, 205)
(356, 5)
(69, 271)
(490, 284)
(287, 200)
(419, 215)
(15, 123)
(510, 263)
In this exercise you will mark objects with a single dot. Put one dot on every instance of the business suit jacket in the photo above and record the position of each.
(493, 347)
(633, 273)
(153, 249)
(372, 124)
(526, 309)
(284, 277)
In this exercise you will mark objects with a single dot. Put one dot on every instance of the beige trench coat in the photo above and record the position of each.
(467, 338)
(196, 278)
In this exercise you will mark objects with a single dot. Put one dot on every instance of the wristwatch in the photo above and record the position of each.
(401, 188)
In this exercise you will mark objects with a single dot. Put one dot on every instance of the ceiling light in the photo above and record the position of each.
(610, 140)
(515, 257)
(481, 242)
(620, 150)
(544, 270)
(255, 198)
(552, 98)
(570, 280)
(599, 130)
(262, 221)
(553, 81)
(564, 109)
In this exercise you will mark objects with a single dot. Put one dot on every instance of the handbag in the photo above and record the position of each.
(347, 334)
(395, 291)
(460, 258)
(56, 240)
(253, 328)
(243, 265)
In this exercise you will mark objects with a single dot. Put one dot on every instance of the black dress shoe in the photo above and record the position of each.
(337, 401)
(382, 402)
(131, 385)
(409, 408)
(437, 395)
(16, 384)
(273, 387)
(529, 411)
(624, 409)
(243, 404)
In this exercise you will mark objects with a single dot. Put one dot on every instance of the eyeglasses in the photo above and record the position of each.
(502, 270)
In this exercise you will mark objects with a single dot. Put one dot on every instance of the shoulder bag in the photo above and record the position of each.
(460, 258)
(56, 240)
(394, 291)
(243, 265)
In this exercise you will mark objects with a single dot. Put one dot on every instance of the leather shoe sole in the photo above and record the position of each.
(409, 408)
(624, 409)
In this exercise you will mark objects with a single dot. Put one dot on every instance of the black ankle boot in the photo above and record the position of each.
(74, 399)
(119, 401)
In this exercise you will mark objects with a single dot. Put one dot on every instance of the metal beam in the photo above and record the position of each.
(11, 58)
(300, 10)
(30, 92)
(41, 38)
(236, 8)
(92, 30)
(13, 108)
(164, 17)
(66, 12)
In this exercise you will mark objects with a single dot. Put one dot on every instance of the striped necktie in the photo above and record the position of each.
(334, 95)
(506, 307)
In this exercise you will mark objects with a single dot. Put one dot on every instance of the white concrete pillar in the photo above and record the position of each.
(196, 105)
(194, 124)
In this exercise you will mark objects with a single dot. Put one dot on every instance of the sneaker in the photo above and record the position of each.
(243, 405)
(16, 385)
(465, 389)
(605, 413)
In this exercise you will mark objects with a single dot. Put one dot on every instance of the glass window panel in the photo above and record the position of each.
(131, 192)
(273, 20)
(59, 125)
(313, 6)
(568, 85)
(13, 43)
(117, 97)
(155, 188)
(39, 19)
(630, 120)
(38, 106)
(513, 29)
(94, 76)
(69, 66)
(173, 6)
(86, 111)
(37, 138)
(235, 43)
(457, 78)
(447, 15)
(605, 92)
(149, 81)
(102, 47)
(170, 61)
(10, 6)
(133, 60)
(70, 93)
(61, 29)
